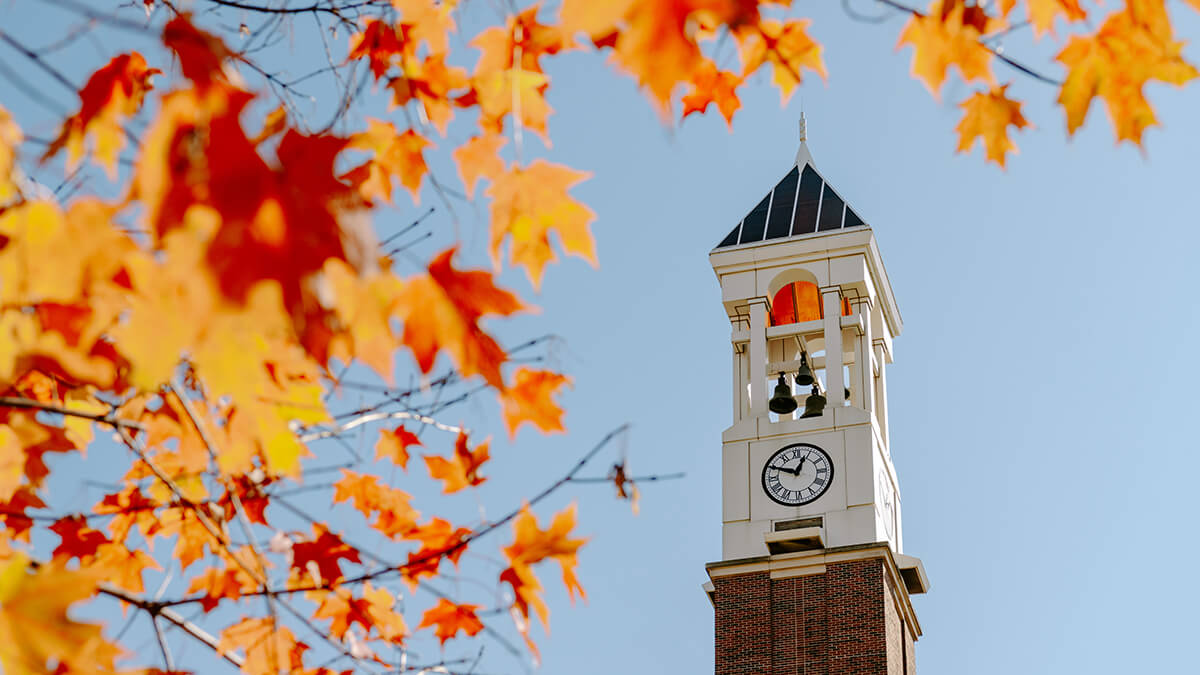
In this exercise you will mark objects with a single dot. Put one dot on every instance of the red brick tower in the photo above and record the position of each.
(813, 578)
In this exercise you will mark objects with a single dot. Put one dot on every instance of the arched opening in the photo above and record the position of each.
(798, 302)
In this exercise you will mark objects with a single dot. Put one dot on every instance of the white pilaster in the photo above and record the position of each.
(834, 380)
(757, 370)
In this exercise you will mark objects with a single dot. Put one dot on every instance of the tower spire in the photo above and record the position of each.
(803, 156)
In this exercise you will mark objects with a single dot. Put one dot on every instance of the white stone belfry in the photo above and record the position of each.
(802, 274)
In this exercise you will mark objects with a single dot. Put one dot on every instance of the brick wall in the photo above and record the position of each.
(842, 622)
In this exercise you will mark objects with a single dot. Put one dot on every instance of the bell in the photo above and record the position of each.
(804, 376)
(782, 403)
(814, 404)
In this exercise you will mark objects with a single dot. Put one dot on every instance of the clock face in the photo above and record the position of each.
(797, 474)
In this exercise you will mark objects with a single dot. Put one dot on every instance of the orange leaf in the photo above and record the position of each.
(432, 83)
(533, 545)
(35, 628)
(374, 610)
(529, 399)
(479, 158)
(1042, 13)
(398, 155)
(270, 649)
(111, 94)
(10, 139)
(1133, 47)
(787, 47)
(202, 55)
(380, 43)
(710, 85)
(442, 311)
(395, 516)
(439, 539)
(449, 618)
(949, 36)
(394, 445)
(527, 203)
(988, 115)
(462, 469)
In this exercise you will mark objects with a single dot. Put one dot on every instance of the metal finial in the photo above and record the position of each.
(803, 129)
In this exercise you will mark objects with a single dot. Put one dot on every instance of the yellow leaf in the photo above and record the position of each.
(10, 140)
(988, 115)
(949, 36)
(1042, 13)
(35, 628)
(527, 204)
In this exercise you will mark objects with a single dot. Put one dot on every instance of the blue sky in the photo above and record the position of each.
(1040, 390)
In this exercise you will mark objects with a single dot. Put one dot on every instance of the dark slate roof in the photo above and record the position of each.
(801, 203)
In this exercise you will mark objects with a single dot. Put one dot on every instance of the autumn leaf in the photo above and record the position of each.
(439, 539)
(372, 611)
(433, 84)
(448, 618)
(527, 204)
(710, 85)
(1042, 13)
(530, 399)
(394, 445)
(220, 584)
(532, 545)
(112, 94)
(511, 92)
(1132, 48)
(787, 47)
(428, 21)
(462, 469)
(10, 139)
(321, 556)
(391, 507)
(78, 539)
(274, 124)
(202, 55)
(441, 311)
(988, 115)
(380, 43)
(523, 35)
(270, 648)
(396, 155)
(479, 158)
(948, 36)
(35, 629)
(626, 487)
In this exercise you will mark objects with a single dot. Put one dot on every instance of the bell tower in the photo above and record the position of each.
(813, 577)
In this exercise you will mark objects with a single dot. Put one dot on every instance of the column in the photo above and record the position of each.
(835, 393)
(866, 382)
(757, 370)
(881, 391)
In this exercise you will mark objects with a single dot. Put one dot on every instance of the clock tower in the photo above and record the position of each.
(813, 577)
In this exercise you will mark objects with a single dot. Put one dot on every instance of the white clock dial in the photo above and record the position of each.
(797, 474)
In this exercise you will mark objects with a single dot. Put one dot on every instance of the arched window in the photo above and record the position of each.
(798, 302)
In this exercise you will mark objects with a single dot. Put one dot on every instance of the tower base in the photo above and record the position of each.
(837, 611)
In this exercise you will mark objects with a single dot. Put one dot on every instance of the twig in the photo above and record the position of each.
(175, 618)
(106, 418)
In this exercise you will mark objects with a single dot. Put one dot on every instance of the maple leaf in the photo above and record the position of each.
(380, 43)
(620, 479)
(10, 139)
(657, 42)
(35, 628)
(479, 158)
(12, 512)
(948, 36)
(373, 611)
(111, 94)
(394, 445)
(202, 55)
(529, 399)
(394, 515)
(396, 154)
(221, 583)
(428, 21)
(532, 545)
(274, 124)
(270, 649)
(461, 470)
(1132, 48)
(78, 539)
(321, 557)
(1042, 13)
(441, 310)
(439, 539)
(597, 19)
(448, 618)
(123, 567)
(787, 47)
(527, 204)
(522, 35)
(511, 92)
(710, 85)
(988, 115)
(433, 84)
